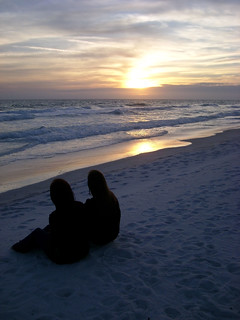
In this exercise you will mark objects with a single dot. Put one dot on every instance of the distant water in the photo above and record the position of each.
(34, 130)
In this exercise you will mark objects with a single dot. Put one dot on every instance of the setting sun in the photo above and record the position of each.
(138, 79)
(143, 74)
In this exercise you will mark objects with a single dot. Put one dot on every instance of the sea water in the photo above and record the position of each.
(42, 138)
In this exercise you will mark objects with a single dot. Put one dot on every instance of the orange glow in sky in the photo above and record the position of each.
(142, 75)
(106, 45)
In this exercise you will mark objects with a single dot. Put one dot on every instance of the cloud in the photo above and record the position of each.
(183, 42)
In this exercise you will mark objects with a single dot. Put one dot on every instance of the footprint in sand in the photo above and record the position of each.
(22, 227)
(65, 292)
(208, 286)
(172, 313)
(30, 220)
(45, 317)
(233, 268)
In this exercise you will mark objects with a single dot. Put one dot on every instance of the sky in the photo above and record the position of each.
(119, 49)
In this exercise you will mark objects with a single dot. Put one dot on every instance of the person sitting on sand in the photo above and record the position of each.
(64, 239)
(103, 211)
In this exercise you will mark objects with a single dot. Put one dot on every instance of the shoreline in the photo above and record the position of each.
(80, 174)
(28, 172)
(31, 171)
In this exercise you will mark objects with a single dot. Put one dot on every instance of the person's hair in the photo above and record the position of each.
(61, 192)
(97, 184)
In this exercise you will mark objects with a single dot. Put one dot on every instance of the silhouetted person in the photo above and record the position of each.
(64, 240)
(103, 211)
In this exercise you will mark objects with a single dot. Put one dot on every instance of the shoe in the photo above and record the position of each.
(22, 247)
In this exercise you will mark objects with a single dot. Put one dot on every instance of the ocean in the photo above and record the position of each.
(40, 139)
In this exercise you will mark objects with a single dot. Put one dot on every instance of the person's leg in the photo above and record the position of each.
(36, 239)
(41, 238)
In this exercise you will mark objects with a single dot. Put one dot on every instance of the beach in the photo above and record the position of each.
(177, 255)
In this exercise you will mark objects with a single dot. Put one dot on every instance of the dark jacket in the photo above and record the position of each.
(103, 216)
(67, 226)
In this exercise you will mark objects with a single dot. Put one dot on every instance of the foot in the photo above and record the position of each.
(21, 247)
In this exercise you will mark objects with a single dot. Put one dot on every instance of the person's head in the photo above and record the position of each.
(97, 184)
(61, 193)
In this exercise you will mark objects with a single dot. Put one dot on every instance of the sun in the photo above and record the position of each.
(139, 79)
(144, 73)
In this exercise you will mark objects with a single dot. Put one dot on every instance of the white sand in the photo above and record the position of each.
(177, 256)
